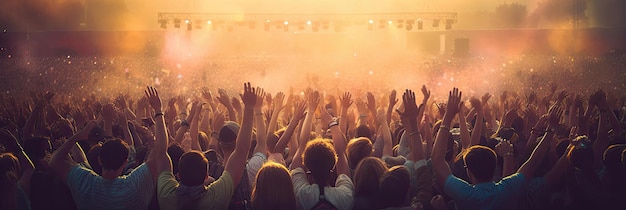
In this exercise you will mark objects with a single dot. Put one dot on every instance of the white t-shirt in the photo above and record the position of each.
(307, 195)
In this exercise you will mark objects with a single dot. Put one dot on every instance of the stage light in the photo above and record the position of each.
(286, 22)
(389, 22)
(187, 22)
(268, 21)
(208, 22)
(420, 25)
(371, 21)
(308, 22)
(449, 24)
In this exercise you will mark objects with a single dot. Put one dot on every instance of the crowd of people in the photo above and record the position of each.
(511, 136)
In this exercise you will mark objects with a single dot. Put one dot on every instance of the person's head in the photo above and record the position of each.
(581, 156)
(367, 175)
(175, 151)
(358, 149)
(273, 188)
(113, 155)
(9, 174)
(228, 136)
(203, 140)
(612, 159)
(363, 131)
(480, 163)
(394, 185)
(92, 157)
(37, 147)
(319, 158)
(192, 168)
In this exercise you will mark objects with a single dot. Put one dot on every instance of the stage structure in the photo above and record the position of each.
(416, 21)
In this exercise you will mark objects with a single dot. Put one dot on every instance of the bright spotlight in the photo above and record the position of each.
(208, 22)
(390, 22)
(308, 22)
(268, 20)
(286, 22)
(371, 21)
(187, 21)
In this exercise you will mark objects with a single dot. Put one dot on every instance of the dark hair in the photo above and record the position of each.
(192, 168)
(612, 158)
(203, 140)
(319, 158)
(366, 177)
(581, 157)
(175, 151)
(113, 154)
(394, 185)
(358, 149)
(92, 157)
(36, 147)
(9, 175)
(481, 162)
(363, 131)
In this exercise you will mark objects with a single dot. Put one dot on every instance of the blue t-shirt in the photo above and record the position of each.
(91, 191)
(491, 195)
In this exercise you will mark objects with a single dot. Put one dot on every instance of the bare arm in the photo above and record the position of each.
(26, 165)
(60, 162)
(278, 107)
(261, 132)
(236, 164)
(440, 167)
(305, 132)
(286, 137)
(194, 130)
(529, 167)
(339, 141)
(158, 159)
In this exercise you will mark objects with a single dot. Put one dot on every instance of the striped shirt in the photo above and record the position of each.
(91, 191)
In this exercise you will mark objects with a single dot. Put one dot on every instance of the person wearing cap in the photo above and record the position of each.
(190, 192)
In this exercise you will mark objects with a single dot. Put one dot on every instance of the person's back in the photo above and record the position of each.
(90, 190)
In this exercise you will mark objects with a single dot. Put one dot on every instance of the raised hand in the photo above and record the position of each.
(371, 102)
(410, 107)
(223, 98)
(504, 148)
(393, 100)
(554, 115)
(426, 93)
(346, 100)
(108, 112)
(248, 97)
(478, 105)
(218, 121)
(153, 98)
(313, 100)
(454, 102)
(277, 101)
(120, 102)
(299, 111)
(236, 104)
(561, 96)
(260, 95)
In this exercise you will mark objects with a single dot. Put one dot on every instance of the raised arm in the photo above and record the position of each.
(286, 137)
(261, 132)
(529, 167)
(339, 141)
(158, 159)
(478, 126)
(410, 114)
(277, 106)
(194, 126)
(305, 132)
(346, 102)
(440, 167)
(237, 162)
(224, 99)
(26, 165)
(60, 161)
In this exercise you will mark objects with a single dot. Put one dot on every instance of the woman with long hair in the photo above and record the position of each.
(273, 181)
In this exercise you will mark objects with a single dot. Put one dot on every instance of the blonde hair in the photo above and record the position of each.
(273, 188)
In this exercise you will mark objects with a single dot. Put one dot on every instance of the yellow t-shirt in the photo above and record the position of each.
(216, 196)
